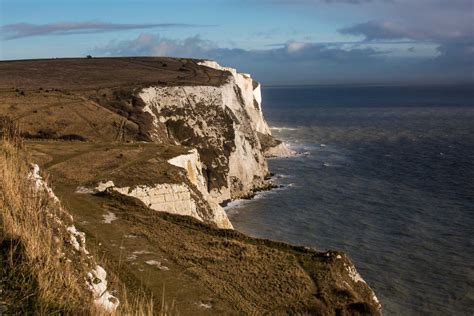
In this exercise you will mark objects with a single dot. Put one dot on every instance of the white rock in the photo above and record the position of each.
(205, 306)
(39, 184)
(174, 199)
(280, 151)
(96, 279)
(97, 282)
(107, 302)
(353, 274)
(251, 91)
(102, 186)
(131, 257)
(77, 239)
(109, 218)
(191, 162)
(169, 197)
(84, 190)
(157, 264)
(142, 252)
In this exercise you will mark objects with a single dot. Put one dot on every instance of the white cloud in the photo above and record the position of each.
(19, 30)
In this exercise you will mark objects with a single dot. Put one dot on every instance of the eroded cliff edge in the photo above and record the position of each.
(224, 126)
(123, 138)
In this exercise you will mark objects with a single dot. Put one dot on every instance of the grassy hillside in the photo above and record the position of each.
(90, 99)
(40, 272)
(177, 259)
(34, 275)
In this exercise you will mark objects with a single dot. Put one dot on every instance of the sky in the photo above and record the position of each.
(277, 41)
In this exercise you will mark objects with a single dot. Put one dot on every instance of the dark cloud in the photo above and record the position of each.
(455, 44)
(429, 20)
(384, 30)
(377, 30)
(447, 26)
(19, 30)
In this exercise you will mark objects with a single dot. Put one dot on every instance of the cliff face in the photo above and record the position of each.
(191, 162)
(222, 123)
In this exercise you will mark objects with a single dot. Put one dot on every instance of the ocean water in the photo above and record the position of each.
(387, 176)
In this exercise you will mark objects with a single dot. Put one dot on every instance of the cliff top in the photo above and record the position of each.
(76, 74)
(91, 98)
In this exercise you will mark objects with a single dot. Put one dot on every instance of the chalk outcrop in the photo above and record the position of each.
(96, 279)
(355, 277)
(191, 162)
(173, 198)
(279, 151)
(97, 283)
(223, 125)
(274, 148)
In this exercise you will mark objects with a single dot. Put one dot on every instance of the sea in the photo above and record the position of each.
(385, 174)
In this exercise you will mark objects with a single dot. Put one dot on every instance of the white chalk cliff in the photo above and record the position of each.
(228, 137)
(191, 162)
(223, 123)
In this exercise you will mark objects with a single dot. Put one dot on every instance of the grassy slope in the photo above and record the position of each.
(40, 272)
(83, 163)
(226, 269)
(34, 275)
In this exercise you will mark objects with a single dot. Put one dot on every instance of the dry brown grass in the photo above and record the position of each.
(91, 99)
(36, 275)
(28, 226)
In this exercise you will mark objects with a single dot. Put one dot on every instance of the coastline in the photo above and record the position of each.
(163, 167)
(232, 207)
(273, 185)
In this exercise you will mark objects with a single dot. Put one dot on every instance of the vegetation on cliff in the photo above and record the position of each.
(40, 271)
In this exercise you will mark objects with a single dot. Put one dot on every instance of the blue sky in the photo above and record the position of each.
(277, 41)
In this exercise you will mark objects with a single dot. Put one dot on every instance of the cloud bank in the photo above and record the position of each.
(299, 62)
